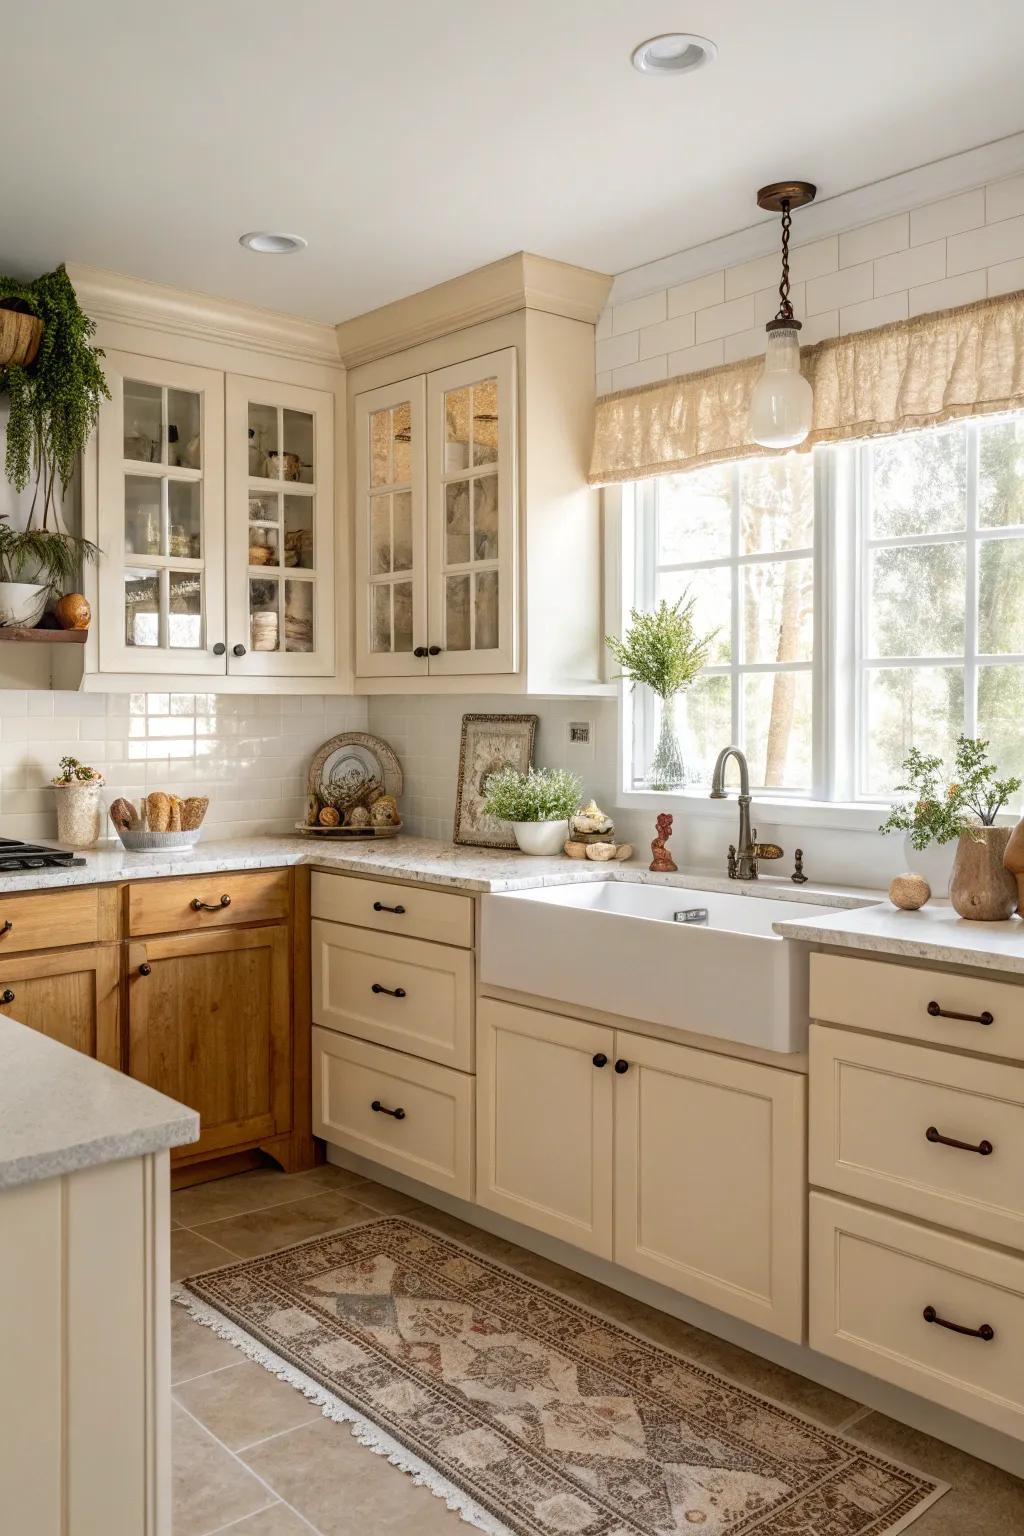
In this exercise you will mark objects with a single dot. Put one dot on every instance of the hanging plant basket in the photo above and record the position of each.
(20, 336)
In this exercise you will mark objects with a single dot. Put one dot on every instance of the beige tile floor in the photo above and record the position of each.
(253, 1458)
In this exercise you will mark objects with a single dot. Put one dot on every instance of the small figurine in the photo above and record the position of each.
(798, 877)
(662, 863)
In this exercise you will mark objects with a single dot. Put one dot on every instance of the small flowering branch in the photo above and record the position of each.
(940, 812)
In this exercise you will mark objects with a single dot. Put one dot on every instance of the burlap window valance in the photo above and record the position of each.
(914, 373)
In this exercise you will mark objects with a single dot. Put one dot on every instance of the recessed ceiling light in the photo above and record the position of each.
(673, 53)
(268, 243)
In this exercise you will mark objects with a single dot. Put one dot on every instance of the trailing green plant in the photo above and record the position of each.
(50, 556)
(54, 401)
(544, 794)
(662, 649)
(943, 809)
(74, 772)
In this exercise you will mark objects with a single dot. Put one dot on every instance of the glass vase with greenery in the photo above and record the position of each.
(54, 402)
(940, 809)
(663, 651)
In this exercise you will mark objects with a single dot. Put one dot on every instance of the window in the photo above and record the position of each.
(866, 598)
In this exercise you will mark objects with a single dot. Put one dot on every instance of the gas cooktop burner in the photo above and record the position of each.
(15, 855)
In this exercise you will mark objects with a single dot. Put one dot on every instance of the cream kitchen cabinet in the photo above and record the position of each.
(705, 1190)
(477, 539)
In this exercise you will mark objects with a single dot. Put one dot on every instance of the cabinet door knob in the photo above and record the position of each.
(145, 969)
(621, 1066)
(238, 650)
(391, 991)
(434, 650)
(8, 925)
(600, 1060)
(968, 1018)
(210, 906)
(219, 648)
(7, 996)
(378, 1109)
(985, 1331)
(419, 650)
(380, 906)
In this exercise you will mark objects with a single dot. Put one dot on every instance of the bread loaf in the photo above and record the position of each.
(193, 811)
(124, 815)
(159, 807)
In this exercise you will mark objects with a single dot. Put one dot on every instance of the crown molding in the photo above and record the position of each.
(522, 281)
(830, 216)
(134, 301)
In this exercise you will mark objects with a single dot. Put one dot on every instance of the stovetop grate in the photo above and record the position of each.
(15, 855)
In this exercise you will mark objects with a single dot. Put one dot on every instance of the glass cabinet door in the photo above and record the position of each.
(161, 529)
(471, 515)
(280, 548)
(391, 633)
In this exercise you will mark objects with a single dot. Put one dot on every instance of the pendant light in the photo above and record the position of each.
(781, 402)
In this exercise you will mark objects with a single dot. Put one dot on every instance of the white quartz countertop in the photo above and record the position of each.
(934, 933)
(61, 1111)
(404, 858)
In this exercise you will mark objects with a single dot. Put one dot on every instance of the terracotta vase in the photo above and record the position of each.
(981, 888)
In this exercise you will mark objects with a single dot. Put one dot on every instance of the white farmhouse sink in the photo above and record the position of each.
(618, 947)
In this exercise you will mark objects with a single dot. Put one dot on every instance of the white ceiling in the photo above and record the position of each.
(413, 140)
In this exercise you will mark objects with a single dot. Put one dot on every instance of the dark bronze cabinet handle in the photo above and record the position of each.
(434, 650)
(7, 996)
(379, 906)
(391, 991)
(378, 1109)
(621, 1066)
(986, 1331)
(210, 906)
(8, 925)
(600, 1060)
(968, 1018)
(419, 650)
(984, 1147)
(145, 969)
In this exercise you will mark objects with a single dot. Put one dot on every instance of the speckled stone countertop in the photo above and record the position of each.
(934, 933)
(60, 1111)
(404, 858)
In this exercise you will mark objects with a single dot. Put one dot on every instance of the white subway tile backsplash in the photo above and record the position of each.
(701, 293)
(908, 269)
(744, 344)
(874, 240)
(725, 319)
(814, 260)
(749, 276)
(710, 354)
(618, 351)
(850, 285)
(819, 327)
(872, 312)
(604, 382)
(669, 336)
(985, 247)
(965, 289)
(649, 371)
(947, 217)
(766, 302)
(1006, 277)
(636, 313)
(1004, 199)
(604, 323)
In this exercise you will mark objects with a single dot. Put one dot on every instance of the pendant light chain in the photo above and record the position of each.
(785, 307)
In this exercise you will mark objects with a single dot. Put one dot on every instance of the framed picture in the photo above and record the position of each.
(489, 742)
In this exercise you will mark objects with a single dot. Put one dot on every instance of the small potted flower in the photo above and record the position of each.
(79, 808)
(538, 804)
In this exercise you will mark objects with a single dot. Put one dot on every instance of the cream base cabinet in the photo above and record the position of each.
(545, 1090)
(710, 1179)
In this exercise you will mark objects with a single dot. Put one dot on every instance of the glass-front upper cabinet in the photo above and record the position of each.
(161, 518)
(436, 522)
(280, 527)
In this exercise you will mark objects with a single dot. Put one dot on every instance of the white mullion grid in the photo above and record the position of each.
(735, 691)
(970, 726)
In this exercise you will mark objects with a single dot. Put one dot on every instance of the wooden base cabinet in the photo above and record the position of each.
(680, 1164)
(209, 1024)
(70, 995)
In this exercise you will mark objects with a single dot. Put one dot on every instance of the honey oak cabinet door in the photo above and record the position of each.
(71, 996)
(209, 1024)
(710, 1179)
(544, 1122)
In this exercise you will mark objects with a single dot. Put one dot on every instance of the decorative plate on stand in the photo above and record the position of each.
(349, 775)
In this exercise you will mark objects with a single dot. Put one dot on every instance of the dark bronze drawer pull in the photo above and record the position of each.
(984, 1147)
(379, 906)
(621, 1066)
(378, 1109)
(968, 1018)
(8, 925)
(7, 996)
(391, 991)
(600, 1060)
(986, 1331)
(145, 969)
(210, 906)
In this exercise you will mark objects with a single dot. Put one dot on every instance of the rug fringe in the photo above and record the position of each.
(332, 1407)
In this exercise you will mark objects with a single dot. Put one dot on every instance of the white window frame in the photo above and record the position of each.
(841, 664)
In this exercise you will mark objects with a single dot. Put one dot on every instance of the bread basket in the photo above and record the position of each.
(159, 842)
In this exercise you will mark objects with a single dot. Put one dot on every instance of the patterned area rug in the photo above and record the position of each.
(533, 1415)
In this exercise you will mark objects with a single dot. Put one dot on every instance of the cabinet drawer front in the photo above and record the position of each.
(431, 1140)
(873, 1276)
(403, 993)
(873, 1104)
(51, 919)
(410, 911)
(170, 906)
(895, 999)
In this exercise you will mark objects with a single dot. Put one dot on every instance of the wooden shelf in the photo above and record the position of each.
(43, 636)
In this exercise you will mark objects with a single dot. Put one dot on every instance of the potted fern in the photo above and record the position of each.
(53, 397)
(538, 804)
(662, 651)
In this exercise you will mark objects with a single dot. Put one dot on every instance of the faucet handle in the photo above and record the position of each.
(731, 861)
(767, 850)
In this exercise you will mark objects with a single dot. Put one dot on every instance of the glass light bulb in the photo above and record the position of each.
(782, 401)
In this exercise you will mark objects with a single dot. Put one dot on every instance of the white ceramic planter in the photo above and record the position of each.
(22, 603)
(541, 836)
(79, 814)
